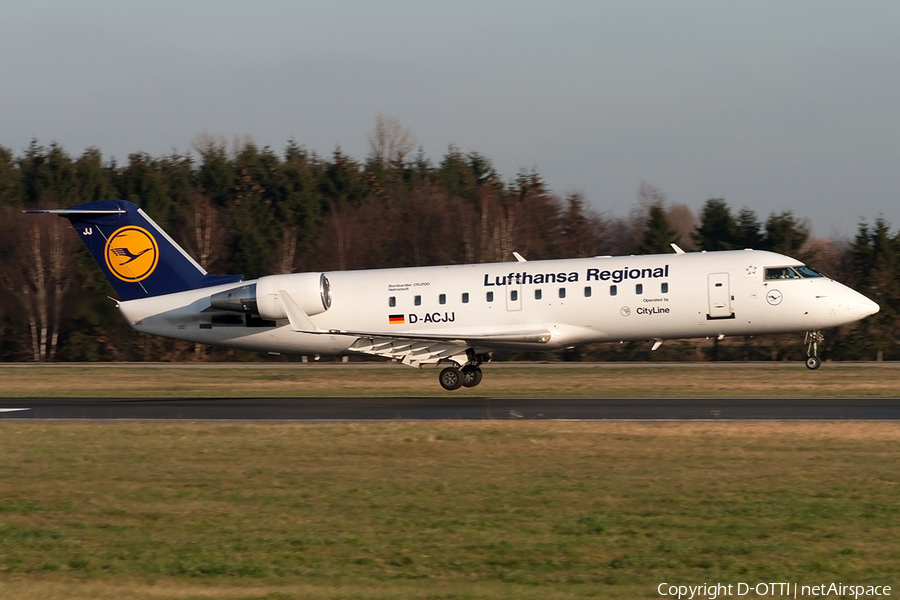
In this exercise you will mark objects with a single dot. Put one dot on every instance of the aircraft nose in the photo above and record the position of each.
(846, 306)
(868, 307)
(861, 306)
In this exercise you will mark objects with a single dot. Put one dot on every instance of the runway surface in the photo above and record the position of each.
(362, 409)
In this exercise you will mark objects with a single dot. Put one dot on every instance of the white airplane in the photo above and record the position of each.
(458, 315)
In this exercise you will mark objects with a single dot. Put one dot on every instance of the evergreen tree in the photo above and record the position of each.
(256, 231)
(47, 174)
(162, 187)
(658, 234)
(748, 230)
(299, 206)
(343, 180)
(875, 259)
(578, 237)
(786, 234)
(216, 172)
(10, 179)
(717, 227)
(462, 175)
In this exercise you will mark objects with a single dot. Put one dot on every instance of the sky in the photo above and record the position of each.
(771, 105)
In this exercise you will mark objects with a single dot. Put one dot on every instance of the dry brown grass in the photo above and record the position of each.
(392, 380)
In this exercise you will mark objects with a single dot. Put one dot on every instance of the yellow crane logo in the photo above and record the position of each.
(131, 253)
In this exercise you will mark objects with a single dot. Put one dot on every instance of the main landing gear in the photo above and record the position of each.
(813, 339)
(469, 375)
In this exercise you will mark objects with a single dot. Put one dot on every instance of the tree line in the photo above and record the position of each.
(251, 210)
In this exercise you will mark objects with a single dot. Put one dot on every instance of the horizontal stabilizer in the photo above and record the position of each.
(73, 211)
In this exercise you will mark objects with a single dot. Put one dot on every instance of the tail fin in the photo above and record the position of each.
(137, 256)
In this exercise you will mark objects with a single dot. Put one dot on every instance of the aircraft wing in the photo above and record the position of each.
(417, 350)
(414, 353)
(414, 349)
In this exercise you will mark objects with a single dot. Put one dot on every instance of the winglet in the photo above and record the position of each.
(519, 257)
(676, 248)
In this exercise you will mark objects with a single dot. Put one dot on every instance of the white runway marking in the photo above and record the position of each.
(3, 410)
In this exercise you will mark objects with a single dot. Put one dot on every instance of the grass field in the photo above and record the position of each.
(441, 510)
(553, 380)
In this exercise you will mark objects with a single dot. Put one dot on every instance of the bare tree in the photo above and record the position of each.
(342, 225)
(289, 234)
(648, 196)
(39, 273)
(684, 223)
(390, 142)
(205, 143)
(206, 237)
(499, 225)
(466, 218)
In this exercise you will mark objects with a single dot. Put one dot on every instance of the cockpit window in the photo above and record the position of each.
(791, 272)
(781, 273)
(808, 272)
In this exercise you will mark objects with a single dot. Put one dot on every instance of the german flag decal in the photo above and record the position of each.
(396, 320)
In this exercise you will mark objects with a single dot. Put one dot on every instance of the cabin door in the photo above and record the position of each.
(719, 297)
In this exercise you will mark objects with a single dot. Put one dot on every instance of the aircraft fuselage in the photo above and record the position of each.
(575, 301)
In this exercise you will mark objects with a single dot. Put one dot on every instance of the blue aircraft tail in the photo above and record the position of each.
(137, 256)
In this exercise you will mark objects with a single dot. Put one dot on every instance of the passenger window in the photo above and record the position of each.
(639, 288)
(392, 301)
(664, 288)
(442, 299)
(418, 301)
(490, 296)
(514, 295)
(538, 294)
(562, 292)
(587, 291)
(613, 290)
(465, 298)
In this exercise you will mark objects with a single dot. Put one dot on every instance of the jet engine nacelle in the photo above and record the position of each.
(311, 291)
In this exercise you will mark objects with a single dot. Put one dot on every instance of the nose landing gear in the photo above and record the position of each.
(813, 339)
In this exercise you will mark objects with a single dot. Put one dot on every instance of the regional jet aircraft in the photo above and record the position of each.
(458, 315)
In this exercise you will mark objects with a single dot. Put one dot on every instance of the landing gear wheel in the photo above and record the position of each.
(471, 376)
(451, 378)
(813, 339)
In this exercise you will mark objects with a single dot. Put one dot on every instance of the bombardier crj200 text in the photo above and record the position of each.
(457, 315)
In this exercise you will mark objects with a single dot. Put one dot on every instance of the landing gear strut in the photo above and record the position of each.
(813, 339)
(469, 375)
